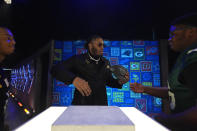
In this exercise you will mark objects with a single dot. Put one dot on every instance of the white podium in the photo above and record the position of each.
(44, 120)
(93, 118)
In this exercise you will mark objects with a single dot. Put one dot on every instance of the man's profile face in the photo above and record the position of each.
(177, 39)
(96, 47)
(7, 42)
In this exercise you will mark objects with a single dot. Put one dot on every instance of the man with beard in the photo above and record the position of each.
(89, 73)
(7, 46)
(182, 89)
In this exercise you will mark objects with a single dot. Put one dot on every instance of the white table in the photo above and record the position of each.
(44, 120)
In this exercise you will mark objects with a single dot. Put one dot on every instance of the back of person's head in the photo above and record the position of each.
(187, 20)
(90, 39)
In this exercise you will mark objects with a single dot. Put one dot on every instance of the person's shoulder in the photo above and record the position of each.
(192, 53)
(192, 49)
(190, 57)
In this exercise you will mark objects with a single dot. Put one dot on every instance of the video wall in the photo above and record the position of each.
(141, 58)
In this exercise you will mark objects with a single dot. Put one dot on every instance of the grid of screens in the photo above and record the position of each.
(141, 58)
(22, 79)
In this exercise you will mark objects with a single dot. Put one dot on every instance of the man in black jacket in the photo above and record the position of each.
(7, 46)
(89, 73)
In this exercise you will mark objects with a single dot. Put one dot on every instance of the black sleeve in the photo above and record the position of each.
(111, 82)
(3, 87)
(188, 76)
(64, 71)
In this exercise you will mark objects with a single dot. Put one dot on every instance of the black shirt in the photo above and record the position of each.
(97, 76)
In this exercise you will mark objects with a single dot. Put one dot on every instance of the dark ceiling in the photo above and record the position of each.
(34, 23)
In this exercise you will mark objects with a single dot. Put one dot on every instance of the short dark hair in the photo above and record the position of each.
(188, 20)
(90, 39)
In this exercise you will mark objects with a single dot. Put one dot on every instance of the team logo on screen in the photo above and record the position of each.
(113, 61)
(151, 50)
(57, 55)
(107, 43)
(126, 43)
(141, 104)
(138, 43)
(139, 54)
(80, 50)
(146, 76)
(147, 83)
(134, 66)
(156, 80)
(135, 77)
(127, 53)
(157, 101)
(67, 47)
(146, 66)
(115, 51)
(115, 43)
(118, 96)
(135, 95)
(79, 42)
(156, 67)
(125, 87)
(118, 100)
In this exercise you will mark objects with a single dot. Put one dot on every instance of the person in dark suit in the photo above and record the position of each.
(89, 73)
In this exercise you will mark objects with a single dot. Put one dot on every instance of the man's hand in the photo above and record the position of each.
(137, 87)
(82, 86)
(121, 82)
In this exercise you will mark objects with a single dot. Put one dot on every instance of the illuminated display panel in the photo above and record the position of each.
(141, 58)
(22, 83)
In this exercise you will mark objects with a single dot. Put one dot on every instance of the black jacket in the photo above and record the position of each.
(3, 86)
(97, 76)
